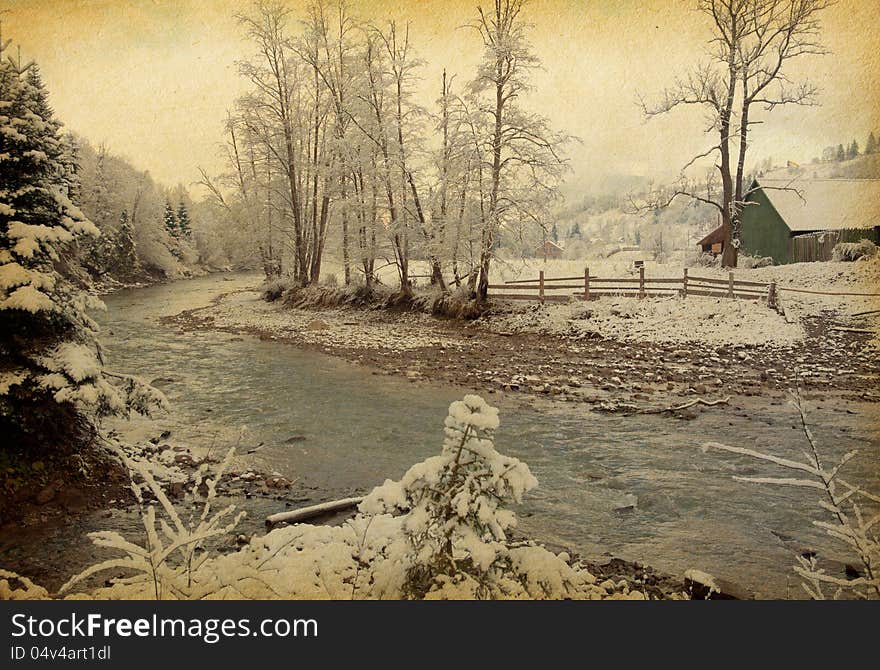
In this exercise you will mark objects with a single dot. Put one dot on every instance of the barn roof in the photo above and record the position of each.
(825, 204)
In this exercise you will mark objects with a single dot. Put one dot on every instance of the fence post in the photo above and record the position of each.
(586, 284)
(541, 287)
(684, 284)
(771, 295)
(642, 281)
(730, 285)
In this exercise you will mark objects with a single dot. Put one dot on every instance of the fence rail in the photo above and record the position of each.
(590, 287)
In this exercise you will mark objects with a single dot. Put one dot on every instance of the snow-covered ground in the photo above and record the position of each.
(696, 319)
(714, 321)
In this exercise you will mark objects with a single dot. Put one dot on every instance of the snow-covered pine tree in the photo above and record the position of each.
(52, 383)
(183, 223)
(126, 252)
(170, 220)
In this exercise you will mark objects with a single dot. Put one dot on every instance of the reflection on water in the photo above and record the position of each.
(638, 488)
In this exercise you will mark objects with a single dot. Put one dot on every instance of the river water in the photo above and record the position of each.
(638, 488)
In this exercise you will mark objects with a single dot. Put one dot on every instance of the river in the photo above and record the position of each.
(637, 488)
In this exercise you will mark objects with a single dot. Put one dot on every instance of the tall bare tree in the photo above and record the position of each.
(752, 42)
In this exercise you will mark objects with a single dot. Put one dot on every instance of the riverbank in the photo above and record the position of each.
(178, 473)
(554, 351)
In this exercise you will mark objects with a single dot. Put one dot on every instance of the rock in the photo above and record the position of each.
(317, 324)
(277, 482)
(46, 494)
(72, 499)
(295, 438)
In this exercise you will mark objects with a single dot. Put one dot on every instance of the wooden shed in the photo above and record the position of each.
(713, 243)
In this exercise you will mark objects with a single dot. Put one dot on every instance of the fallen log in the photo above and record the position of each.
(852, 330)
(310, 512)
(870, 311)
(691, 403)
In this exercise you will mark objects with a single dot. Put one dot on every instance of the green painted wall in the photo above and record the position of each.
(762, 230)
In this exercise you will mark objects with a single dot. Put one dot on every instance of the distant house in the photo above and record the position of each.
(549, 250)
(802, 220)
(713, 243)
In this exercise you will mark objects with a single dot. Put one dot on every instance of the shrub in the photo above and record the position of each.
(853, 251)
(852, 514)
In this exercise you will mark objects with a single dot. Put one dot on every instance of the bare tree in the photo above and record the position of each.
(752, 42)
(523, 160)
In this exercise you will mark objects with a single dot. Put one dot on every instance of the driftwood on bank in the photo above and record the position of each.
(690, 403)
(310, 512)
(851, 330)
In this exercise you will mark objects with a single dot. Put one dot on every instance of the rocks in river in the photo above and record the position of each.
(46, 494)
(277, 482)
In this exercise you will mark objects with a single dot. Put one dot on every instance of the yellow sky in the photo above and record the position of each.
(153, 78)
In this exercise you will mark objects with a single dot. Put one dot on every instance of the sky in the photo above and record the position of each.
(152, 79)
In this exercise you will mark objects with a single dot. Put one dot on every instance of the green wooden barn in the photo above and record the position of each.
(805, 224)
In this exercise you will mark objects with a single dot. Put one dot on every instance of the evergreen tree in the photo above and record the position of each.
(871, 144)
(52, 384)
(126, 250)
(853, 150)
(638, 238)
(183, 222)
(841, 153)
(170, 220)
(575, 230)
(554, 233)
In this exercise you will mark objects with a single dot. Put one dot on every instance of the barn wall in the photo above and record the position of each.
(762, 231)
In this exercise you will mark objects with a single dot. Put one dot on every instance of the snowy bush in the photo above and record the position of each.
(174, 547)
(853, 251)
(439, 532)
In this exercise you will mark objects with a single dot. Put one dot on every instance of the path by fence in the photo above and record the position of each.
(590, 287)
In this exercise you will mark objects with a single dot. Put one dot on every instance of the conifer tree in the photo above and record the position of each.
(871, 144)
(170, 220)
(841, 153)
(183, 222)
(52, 382)
(853, 150)
(126, 250)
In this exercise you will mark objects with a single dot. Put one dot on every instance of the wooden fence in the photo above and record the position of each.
(818, 246)
(589, 287)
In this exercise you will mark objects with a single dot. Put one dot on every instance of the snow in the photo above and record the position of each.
(672, 319)
(77, 361)
(28, 299)
(10, 378)
(713, 321)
